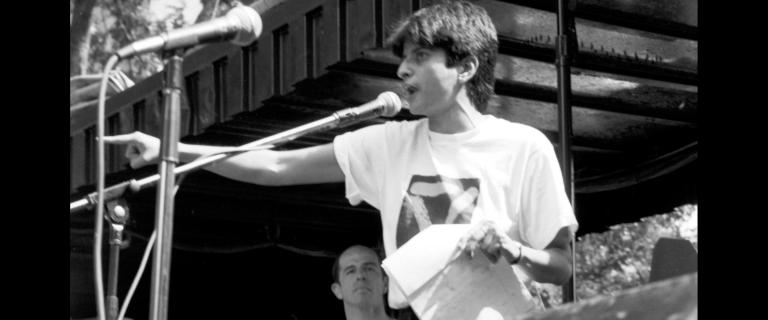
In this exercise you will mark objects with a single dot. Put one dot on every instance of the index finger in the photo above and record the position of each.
(120, 139)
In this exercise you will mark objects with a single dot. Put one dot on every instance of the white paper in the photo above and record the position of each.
(441, 283)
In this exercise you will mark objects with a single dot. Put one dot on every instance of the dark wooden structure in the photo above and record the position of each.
(244, 250)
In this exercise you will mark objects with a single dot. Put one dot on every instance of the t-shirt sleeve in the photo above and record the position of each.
(357, 153)
(546, 208)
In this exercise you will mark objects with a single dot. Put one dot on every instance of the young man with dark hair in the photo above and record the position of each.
(360, 283)
(455, 165)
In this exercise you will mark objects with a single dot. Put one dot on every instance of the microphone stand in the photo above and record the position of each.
(169, 157)
(117, 217)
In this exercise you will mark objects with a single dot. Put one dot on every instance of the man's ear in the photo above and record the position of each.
(336, 289)
(468, 68)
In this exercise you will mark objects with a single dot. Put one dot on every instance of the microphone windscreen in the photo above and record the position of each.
(392, 103)
(249, 23)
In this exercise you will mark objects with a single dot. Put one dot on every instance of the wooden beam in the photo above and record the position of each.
(591, 60)
(665, 17)
(605, 127)
(536, 81)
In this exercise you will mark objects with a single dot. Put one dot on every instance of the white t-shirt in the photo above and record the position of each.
(501, 171)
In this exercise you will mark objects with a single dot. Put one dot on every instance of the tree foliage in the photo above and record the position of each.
(99, 27)
(620, 258)
(113, 24)
(130, 22)
(80, 13)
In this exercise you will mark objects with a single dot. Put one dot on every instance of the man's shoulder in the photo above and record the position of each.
(514, 129)
(517, 136)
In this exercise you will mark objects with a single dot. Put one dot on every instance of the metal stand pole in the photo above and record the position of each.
(117, 217)
(566, 40)
(161, 264)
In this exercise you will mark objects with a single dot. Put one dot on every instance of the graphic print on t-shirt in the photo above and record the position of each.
(434, 200)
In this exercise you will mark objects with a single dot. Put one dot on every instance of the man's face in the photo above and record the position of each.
(430, 85)
(361, 281)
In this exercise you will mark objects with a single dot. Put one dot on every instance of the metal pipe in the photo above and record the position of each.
(113, 302)
(566, 35)
(161, 264)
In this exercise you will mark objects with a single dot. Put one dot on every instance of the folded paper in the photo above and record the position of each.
(440, 282)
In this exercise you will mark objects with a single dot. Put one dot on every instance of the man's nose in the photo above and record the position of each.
(403, 71)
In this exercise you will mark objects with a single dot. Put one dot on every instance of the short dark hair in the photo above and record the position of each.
(335, 268)
(460, 28)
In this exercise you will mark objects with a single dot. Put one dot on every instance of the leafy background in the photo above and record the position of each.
(100, 27)
(620, 258)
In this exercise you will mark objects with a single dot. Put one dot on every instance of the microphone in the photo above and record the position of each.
(387, 104)
(241, 25)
